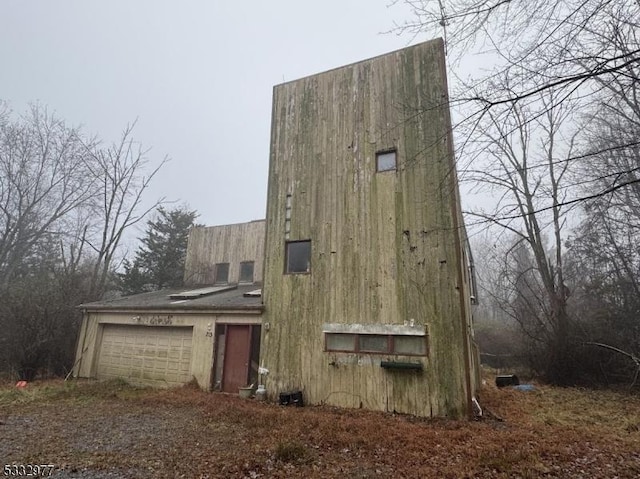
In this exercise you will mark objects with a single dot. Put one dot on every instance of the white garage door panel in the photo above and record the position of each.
(145, 354)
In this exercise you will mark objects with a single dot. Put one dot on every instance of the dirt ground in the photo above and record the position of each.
(111, 430)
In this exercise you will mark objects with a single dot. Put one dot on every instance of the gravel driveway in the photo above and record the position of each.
(111, 430)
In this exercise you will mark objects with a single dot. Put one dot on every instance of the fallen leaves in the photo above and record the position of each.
(90, 429)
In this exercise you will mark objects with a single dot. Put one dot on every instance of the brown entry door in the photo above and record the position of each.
(237, 353)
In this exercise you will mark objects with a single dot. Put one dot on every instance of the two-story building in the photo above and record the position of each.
(367, 286)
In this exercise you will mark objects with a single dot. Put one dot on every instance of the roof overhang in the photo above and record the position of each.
(203, 309)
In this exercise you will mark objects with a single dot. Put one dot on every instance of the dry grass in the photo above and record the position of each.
(43, 392)
(86, 428)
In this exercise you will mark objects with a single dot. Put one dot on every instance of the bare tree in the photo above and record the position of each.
(121, 175)
(523, 160)
(540, 44)
(604, 247)
(555, 61)
(498, 322)
(65, 203)
(43, 178)
(585, 51)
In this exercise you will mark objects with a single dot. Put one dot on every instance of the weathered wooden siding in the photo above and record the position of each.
(224, 244)
(385, 248)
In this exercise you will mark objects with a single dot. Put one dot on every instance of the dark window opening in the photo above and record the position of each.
(386, 160)
(298, 257)
(246, 272)
(221, 273)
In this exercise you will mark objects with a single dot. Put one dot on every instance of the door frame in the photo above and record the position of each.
(223, 328)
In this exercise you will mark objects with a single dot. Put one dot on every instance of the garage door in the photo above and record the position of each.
(157, 356)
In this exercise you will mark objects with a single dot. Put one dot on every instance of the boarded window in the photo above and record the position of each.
(246, 272)
(221, 273)
(298, 257)
(386, 160)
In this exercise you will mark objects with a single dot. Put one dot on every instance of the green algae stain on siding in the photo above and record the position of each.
(382, 247)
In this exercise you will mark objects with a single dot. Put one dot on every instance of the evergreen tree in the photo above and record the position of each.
(159, 262)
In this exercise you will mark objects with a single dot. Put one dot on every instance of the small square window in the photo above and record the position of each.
(246, 272)
(298, 257)
(372, 343)
(221, 273)
(386, 160)
(341, 342)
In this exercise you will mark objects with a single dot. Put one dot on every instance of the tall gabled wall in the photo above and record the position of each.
(386, 247)
(231, 244)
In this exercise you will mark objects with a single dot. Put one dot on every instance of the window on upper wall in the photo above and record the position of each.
(386, 160)
(298, 256)
(221, 273)
(246, 272)
(399, 344)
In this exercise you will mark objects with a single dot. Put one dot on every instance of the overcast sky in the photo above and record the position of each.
(197, 74)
